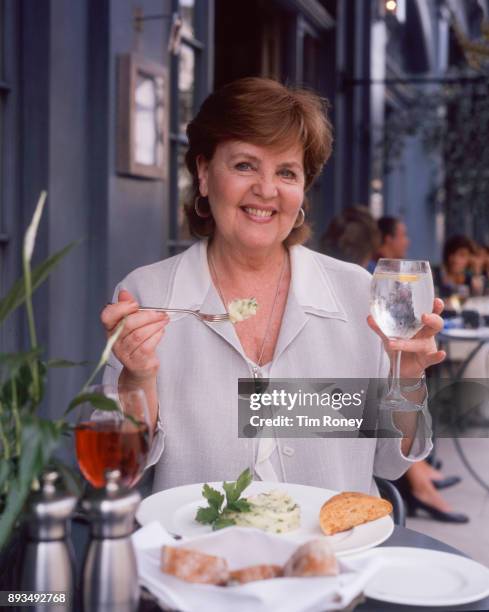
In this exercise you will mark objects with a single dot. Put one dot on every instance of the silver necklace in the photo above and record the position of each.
(270, 317)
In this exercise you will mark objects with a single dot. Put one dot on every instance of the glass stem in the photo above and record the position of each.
(395, 391)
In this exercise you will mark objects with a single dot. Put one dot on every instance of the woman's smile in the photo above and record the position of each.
(259, 214)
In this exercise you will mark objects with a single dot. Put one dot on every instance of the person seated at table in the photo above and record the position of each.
(355, 237)
(478, 271)
(394, 240)
(452, 280)
(352, 236)
(255, 148)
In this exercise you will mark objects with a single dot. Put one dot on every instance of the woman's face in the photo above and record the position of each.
(459, 260)
(255, 192)
(478, 260)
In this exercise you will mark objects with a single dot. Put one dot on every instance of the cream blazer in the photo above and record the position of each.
(324, 334)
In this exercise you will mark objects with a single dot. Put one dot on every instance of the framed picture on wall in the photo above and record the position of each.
(142, 127)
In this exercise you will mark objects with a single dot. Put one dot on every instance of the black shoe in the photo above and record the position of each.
(444, 483)
(414, 504)
(437, 463)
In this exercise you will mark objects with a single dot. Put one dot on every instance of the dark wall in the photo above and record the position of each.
(68, 146)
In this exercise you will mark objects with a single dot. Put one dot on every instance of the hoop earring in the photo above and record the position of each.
(301, 223)
(197, 211)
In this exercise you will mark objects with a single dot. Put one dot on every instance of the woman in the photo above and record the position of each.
(255, 148)
(452, 279)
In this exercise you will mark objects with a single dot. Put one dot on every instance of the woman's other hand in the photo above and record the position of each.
(136, 346)
(420, 351)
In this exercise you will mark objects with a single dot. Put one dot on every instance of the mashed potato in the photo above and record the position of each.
(274, 511)
(242, 309)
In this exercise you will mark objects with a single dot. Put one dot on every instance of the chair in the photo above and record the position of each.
(391, 493)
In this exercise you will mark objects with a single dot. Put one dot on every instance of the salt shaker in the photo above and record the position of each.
(48, 559)
(110, 577)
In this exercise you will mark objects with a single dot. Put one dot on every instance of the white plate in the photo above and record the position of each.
(175, 509)
(423, 577)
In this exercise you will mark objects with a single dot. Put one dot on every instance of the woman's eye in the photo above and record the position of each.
(243, 166)
(288, 173)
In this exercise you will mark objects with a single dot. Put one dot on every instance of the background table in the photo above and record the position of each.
(468, 347)
(400, 537)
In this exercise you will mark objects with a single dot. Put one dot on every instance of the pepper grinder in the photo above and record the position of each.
(48, 559)
(110, 575)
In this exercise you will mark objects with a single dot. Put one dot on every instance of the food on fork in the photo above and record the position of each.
(194, 566)
(271, 511)
(255, 572)
(349, 509)
(314, 558)
(242, 309)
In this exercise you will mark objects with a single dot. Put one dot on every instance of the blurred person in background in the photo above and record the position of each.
(394, 241)
(452, 279)
(478, 271)
(355, 236)
(352, 236)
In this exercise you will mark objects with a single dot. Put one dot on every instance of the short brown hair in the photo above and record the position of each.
(352, 236)
(454, 244)
(266, 113)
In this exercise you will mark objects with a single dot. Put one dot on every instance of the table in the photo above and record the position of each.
(479, 337)
(400, 537)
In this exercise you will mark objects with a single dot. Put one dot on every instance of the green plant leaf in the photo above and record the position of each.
(16, 296)
(214, 498)
(12, 362)
(39, 438)
(31, 232)
(97, 400)
(5, 470)
(64, 363)
(106, 352)
(206, 515)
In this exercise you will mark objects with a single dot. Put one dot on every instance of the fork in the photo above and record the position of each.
(210, 318)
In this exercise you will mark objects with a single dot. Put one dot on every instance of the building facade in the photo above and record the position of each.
(60, 130)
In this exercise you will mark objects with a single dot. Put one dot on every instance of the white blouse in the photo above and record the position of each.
(324, 334)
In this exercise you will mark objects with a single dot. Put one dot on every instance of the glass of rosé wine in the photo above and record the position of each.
(113, 433)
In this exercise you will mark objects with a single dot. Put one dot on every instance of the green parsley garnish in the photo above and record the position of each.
(217, 516)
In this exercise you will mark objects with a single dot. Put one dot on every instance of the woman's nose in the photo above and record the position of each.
(265, 187)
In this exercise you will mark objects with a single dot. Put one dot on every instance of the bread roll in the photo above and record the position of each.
(314, 558)
(346, 510)
(256, 572)
(194, 566)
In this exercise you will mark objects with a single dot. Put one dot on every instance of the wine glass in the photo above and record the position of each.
(400, 293)
(114, 439)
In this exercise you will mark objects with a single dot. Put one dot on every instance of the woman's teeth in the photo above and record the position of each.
(259, 213)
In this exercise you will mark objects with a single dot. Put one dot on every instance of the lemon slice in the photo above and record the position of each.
(401, 278)
(407, 278)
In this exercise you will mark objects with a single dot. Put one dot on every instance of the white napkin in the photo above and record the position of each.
(242, 547)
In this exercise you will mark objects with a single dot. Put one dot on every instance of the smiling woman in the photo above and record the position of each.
(250, 115)
(255, 148)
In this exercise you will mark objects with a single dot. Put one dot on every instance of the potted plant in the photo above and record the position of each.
(27, 441)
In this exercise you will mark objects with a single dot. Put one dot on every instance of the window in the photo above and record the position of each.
(190, 84)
